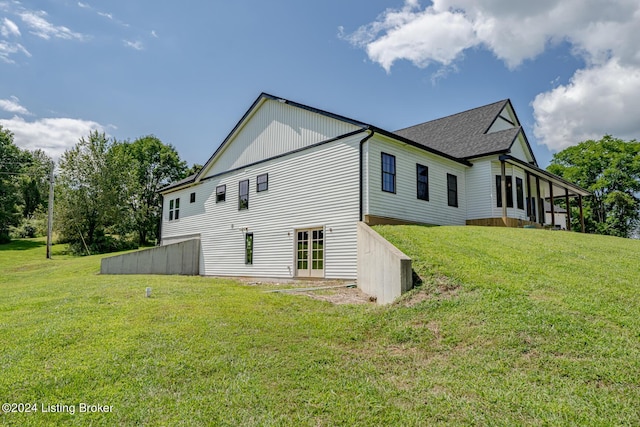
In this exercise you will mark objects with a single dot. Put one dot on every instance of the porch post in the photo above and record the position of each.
(503, 190)
(528, 176)
(553, 211)
(566, 200)
(541, 212)
(581, 213)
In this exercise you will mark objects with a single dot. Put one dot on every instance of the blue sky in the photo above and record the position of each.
(187, 71)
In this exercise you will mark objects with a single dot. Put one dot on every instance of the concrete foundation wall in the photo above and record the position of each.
(384, 271)
(178, 258)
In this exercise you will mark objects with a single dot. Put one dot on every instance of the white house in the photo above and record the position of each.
(284, 192)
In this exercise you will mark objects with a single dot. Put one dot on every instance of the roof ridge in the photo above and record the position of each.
(503, 101)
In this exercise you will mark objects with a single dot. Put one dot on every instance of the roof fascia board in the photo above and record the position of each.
(493, 153)
(419, 146)
(526, 140)
(252, 110)
(504, 102)
(549, 176)
(317, 144)
(223, 146)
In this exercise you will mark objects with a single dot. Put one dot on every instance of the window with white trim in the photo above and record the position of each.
(174, 209)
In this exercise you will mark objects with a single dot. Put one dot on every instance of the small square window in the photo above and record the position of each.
(192, 198)
(262, 182)
(221, 193)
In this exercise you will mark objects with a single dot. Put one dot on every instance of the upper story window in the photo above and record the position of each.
(174, 209)
(262, 182)
(452, 190)
(243, 195)
(509, 181)
(422, 177)
(192, 198)
(519, 193)
(388, 173)
(221, 193)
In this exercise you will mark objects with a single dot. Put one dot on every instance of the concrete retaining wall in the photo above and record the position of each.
(178, 258)
(384, 271)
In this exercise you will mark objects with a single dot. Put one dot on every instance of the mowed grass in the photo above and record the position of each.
(511, 327)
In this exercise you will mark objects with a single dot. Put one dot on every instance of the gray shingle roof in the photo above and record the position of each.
(187, 180)
(463, 135)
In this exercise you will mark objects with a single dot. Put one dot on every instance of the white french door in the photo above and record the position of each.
(310, 252)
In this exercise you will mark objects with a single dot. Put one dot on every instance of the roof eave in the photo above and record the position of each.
(420, 146)
(550, 176)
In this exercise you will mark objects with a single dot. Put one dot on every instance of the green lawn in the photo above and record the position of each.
(511, 327)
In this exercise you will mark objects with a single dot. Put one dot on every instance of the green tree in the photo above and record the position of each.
(194, 169)
(11, 162)
(91, 195)
(155, 164)
(34, 183)
(610, 169)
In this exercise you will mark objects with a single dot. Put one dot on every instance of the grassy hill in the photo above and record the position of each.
(510, 327)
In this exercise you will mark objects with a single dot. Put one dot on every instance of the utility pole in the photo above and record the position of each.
(50, 216)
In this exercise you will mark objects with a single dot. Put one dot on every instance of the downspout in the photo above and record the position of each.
(365, 139)
(159, 237)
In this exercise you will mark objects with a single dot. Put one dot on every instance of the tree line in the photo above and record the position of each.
(106, 192)
(610, 169)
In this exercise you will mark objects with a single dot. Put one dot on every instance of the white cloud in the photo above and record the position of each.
(7, 49)
(601, 32)
(53, 135)
(42, 28)
(106, 15)
(84, 5)
(9, 28)
(600, 100)
(13, 106)
(137, 45)
(154, 34)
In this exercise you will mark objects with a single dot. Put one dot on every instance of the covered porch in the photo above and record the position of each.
(543, 189)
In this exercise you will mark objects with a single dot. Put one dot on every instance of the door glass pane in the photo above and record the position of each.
(302, 250)
(317, 249)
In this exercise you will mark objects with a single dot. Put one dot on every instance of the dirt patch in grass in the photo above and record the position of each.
(340, 296)
(333, 291)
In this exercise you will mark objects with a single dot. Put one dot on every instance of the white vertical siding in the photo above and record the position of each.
(480, 197)
(500, 124)
(404, 204)
(318, 187)
(276, 128)
(506, 120)
(519, 150)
